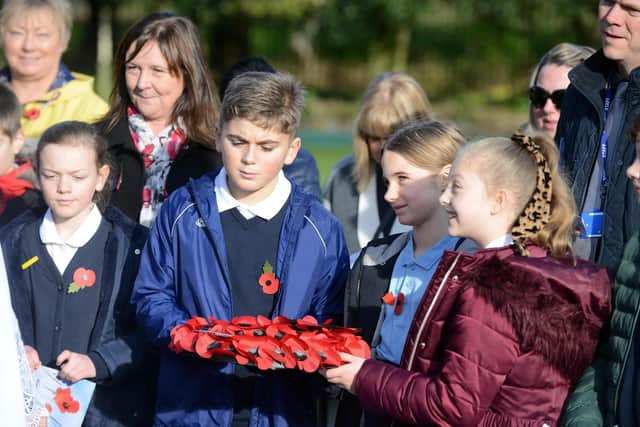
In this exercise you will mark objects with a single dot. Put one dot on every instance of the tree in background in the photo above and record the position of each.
(335, 46)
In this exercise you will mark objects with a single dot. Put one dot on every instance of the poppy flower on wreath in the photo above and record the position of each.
(82, 278)
(267, 280)
(31, 114)
(66, 402)
(279, 343)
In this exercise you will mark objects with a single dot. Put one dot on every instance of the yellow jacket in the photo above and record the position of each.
(76, 100)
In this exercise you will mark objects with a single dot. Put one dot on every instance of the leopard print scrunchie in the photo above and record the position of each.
(537, 212)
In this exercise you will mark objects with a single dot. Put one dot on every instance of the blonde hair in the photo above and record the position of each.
(508, 163)
(61, 10)
(563, 54)
(391, 99)
(430, 145)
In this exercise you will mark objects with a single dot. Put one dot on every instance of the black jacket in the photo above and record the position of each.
(193, 160)
(578, 136)
(15, 207)
(126, 396)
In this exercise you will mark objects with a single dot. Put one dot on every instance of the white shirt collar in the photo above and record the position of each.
(265, 209)
(80, 237)
(501, 241)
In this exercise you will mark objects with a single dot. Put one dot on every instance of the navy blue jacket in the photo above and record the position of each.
(578, 136)
(125, 398)
(304, 172)
(183, 273)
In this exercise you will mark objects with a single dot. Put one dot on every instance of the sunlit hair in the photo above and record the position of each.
(429, 145)
(502, 163)
(76, 133)
(391, 99)
(268, 100)
(563, 54)
(10, 111)
(179, 42)
(61, 10)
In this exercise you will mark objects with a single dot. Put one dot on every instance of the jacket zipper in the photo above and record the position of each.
(426, 317)
(429, 310)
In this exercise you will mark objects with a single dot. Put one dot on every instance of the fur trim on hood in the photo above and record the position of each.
(547, 317)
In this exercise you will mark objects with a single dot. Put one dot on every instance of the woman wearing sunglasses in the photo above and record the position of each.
(549, 80)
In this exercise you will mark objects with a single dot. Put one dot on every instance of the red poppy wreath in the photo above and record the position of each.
(280, 343)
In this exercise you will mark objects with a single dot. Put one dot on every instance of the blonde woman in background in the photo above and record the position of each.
(549, 81)
(354, 190)
(35, 34)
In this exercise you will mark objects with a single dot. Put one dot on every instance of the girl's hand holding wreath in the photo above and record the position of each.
(344, 375)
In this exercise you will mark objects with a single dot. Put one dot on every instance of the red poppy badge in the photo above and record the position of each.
(82, 278)
(267, 280)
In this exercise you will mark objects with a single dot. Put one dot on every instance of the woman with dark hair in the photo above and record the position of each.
(163, 120)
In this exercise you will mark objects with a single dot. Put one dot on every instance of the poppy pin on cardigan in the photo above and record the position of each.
(82, 278)
(267, 280)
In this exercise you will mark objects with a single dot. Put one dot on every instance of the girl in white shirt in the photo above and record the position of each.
(71, 270)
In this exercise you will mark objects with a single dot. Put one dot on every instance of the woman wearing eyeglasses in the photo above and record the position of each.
(549, 80)
(354, 190)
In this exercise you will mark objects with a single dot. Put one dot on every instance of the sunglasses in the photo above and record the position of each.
(538, 97)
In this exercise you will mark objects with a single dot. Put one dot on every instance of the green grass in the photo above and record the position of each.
(327, 148)
(328, 137)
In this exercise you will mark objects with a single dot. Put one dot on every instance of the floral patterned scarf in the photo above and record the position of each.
(158, 153)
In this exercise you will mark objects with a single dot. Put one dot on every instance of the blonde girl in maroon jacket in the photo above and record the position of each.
(501, 335)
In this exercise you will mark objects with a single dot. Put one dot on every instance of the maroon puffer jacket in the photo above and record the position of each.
(498, 340)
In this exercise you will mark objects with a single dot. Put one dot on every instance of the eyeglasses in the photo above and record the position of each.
(538, 97)
(373, 139)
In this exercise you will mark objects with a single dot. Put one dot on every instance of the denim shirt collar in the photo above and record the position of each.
(63, 77)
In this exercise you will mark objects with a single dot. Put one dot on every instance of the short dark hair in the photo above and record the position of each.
(244, 65)
(10, 111)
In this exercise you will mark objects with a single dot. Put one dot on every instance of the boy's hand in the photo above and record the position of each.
(344, 375)
(75, 366)
(32, 357)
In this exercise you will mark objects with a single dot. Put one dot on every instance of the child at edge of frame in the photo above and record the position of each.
(209, 246)
(18, 184)
(71, 265)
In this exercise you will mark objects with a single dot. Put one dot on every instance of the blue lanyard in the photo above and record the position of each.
(603, 138)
